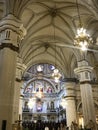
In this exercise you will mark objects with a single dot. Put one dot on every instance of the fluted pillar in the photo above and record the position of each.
(11, 33)
(84, 72)
(70, 102)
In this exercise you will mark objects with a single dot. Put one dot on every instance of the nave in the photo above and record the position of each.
(49, 62)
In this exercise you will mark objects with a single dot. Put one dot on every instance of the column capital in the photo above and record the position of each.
(83, 71)
(11, 32)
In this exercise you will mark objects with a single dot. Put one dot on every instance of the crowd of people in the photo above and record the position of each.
(43, 125)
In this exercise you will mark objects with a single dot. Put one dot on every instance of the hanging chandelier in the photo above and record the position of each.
(56, 75)
(82, 38)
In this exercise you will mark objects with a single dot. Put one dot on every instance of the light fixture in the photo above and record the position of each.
(56, 74)
(82, 39)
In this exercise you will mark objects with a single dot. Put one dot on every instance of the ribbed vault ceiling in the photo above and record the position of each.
(44, 18)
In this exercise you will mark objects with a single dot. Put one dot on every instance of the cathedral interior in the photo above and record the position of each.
(48, 62)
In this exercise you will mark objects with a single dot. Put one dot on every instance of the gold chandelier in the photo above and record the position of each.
(82, 38)
(56, 75)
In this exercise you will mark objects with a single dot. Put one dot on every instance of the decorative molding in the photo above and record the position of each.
(10, 46)
(70, 80)
(83, 69)
(89, 82)
(53, 12)
(70, 96)
(85, 82)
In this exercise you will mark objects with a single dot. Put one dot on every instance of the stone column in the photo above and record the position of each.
(70, 102)
(11, 32)
(18, 97)
(84, 73)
